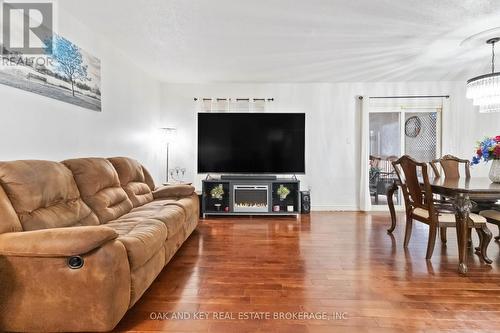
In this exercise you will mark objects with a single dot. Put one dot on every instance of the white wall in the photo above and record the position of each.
(37, 127)
(332, 139)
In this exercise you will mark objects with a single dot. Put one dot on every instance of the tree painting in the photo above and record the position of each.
(66, 73)
(68, 61)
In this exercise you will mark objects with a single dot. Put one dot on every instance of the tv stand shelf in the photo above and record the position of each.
(250, 196)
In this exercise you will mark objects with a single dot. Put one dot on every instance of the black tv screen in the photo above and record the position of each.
(270, 143)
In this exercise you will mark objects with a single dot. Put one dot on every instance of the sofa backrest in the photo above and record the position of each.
(43, 195)
(100, 187)
(9, 221)
(133, 180)
(149, 179)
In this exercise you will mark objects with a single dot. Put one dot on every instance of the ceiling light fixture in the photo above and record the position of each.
(485, 89)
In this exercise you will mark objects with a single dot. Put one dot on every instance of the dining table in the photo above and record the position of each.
(463, 193)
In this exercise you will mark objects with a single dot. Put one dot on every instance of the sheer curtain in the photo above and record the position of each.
(364, 183)
(227, 104)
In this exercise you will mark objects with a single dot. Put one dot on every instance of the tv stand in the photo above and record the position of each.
(248, 177)
(250, 195)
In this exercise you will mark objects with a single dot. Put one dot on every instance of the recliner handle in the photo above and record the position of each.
(75, 262)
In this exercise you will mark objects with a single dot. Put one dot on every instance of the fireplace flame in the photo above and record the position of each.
(250, 205)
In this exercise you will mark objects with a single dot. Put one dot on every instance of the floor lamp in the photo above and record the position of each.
(169, 134)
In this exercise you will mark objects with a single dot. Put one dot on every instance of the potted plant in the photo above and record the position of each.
(217, 192)
(283, 192)
(489, 150)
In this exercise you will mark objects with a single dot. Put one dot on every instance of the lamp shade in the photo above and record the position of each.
(169, 133)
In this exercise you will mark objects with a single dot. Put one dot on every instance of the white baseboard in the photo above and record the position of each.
(333, 208)
(340, 208)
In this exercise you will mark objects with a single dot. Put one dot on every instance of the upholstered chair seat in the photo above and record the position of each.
(492, 216)
(447, 217)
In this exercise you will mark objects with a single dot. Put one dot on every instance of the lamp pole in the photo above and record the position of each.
(168, 148)
(169, 133)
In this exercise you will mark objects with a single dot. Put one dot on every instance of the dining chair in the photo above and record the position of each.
(382, 175)
(374, 177)
(421, 205)
(492, 216)
(450, 166)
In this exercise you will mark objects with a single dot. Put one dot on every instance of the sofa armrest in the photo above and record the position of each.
(61, 297)
(170, 191)
(58, 242)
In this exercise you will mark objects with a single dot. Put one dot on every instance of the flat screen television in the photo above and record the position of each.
(251, 143)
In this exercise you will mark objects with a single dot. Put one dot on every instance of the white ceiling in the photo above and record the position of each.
(297, 41)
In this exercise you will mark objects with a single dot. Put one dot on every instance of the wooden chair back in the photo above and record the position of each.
(374, 161)
(416, 195)
(385, 165)
(450, 165)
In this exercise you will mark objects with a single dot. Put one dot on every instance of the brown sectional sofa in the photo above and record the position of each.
(82, 240)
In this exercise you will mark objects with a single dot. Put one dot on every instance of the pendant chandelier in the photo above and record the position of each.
(485, 89)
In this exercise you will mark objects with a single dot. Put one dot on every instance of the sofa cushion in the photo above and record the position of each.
(190, 205)
(172, 216)
(44, 195)
(100, 187)
(132, 179)
(141, 237)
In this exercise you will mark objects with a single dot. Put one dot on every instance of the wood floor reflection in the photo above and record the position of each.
(342, 262)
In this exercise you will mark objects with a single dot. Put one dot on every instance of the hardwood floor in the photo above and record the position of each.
(342, 262)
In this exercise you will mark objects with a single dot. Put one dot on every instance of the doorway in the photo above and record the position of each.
(395, 128)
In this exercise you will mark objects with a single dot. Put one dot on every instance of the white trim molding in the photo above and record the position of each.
(334, 208)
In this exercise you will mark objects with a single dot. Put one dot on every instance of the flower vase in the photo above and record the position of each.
(495, 171)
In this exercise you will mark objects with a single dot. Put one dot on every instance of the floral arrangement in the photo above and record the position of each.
(217, 192)
(488, 149)
(283, 192)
